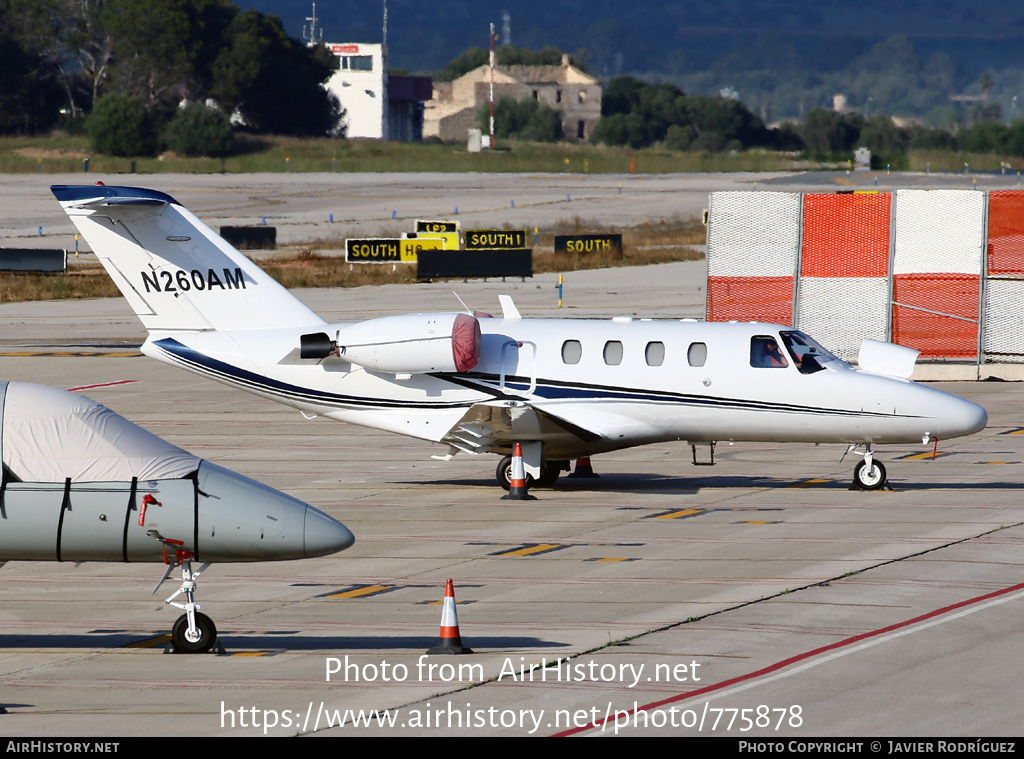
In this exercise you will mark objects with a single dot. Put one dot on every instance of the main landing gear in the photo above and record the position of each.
(193, 632)
(549, 472)
(868, 474)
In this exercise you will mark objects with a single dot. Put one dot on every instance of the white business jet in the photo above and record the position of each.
(563, 388)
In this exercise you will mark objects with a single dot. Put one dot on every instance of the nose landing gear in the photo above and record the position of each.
(868, 474)
(193, 632)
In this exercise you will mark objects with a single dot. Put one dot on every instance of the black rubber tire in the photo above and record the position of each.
(869, 479)
(207, 635)
(504, 474)
(549, 474)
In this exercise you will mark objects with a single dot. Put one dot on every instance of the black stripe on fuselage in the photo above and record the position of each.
(545, 390)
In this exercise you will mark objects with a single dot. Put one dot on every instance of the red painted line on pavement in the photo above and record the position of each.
(102, 384)
(801, 657)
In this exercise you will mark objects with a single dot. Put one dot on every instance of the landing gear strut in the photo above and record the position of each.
(193, 633)
(869, 474)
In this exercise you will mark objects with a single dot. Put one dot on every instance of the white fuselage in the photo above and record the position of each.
(596, 385)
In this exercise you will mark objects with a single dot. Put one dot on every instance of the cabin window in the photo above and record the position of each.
(572, 351)
(697, 355)
(613, 353)
(558, 96)
(581, 96)
(765, 353)
(655, 354)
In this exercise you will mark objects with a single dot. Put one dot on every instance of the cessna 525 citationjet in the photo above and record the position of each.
(563, 388)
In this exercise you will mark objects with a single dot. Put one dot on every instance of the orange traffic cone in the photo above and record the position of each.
(584, 469)
(450, 641)
(517, 487)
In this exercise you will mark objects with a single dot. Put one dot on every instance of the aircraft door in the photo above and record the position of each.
(29, 518)
(518, 362)
(92, 528)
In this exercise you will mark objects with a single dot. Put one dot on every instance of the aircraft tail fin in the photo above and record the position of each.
(176, 272)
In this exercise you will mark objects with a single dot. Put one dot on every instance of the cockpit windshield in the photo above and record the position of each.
(808, 354)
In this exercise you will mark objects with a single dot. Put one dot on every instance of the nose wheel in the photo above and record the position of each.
(199, 640)
(869, 474)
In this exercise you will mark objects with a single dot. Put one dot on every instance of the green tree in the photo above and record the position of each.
(984, 112)
(30, 98)
(679, 137)
(986, 81)
(926, 138)
(154, 47)
(638, 114)
(622, 95)
(120, 125)
(273, 80)
(198, 129)
(527, 120)
(549, 55)
(70, 37)
(829, 132)
(987, 137)
(505, 55)
(469, 59)
(880, 135)
(727, 117)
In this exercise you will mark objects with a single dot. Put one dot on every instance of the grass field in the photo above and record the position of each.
(60, 153)
(315, 263)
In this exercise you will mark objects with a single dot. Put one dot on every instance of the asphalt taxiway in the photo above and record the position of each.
(808, 609)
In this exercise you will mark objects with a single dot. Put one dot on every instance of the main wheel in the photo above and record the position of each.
(549, 474)
(205, 640)
(869, 478)
(504, 474)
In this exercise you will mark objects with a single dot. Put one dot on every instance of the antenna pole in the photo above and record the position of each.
(492, 87)
(312, 32)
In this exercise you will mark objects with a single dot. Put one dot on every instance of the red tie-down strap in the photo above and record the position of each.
(145, 502)
(180, 554)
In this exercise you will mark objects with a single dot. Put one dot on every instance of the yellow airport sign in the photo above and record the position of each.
(444, 230)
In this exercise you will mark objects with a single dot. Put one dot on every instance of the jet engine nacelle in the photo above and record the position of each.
(406, 344)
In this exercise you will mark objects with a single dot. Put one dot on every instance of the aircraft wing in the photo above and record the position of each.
(494, 427)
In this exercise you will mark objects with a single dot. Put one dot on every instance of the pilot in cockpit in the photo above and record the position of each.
(764, 352)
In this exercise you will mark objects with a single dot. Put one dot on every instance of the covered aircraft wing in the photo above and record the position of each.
(50, 435)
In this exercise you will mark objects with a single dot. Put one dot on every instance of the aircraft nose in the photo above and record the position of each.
(958, 417)
(323, 535)
(243, 520)
(971, 417)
